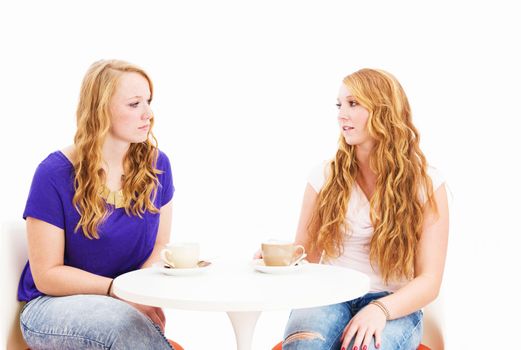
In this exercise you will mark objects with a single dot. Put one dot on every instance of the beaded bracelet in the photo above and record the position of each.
(382, 307)
(110, 287)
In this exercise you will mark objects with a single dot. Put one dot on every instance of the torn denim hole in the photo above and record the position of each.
(303, 336)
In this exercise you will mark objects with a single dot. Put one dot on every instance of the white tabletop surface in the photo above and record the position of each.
(236, 286)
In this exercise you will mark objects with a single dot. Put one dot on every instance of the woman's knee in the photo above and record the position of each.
(403, 333)
(98, 320)
(119, 321)
(302, 330)
(316, 328)
(304, 340)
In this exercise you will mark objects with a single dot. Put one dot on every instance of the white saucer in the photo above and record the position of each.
(181, 271)
(258, 264)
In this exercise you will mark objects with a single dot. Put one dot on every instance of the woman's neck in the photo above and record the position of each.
(113, 153)
(365, 173)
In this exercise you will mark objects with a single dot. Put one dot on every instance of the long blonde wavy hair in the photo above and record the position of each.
(140, 181)
(402, 183)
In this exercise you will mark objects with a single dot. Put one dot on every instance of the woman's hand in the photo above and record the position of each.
(153, 312)
(258, 254)
(367, 323)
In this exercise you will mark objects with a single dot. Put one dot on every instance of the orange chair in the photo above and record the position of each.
(175, 345)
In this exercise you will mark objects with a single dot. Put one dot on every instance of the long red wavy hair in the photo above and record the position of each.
(403, 188)
(140, 181)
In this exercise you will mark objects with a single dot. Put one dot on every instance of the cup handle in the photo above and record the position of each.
(301, 256)
(299, 259)
(165, 255)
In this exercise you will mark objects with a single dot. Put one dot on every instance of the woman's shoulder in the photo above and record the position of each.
(54, 164)
(163, 162)
(318, 174)
(165, 178)
(436, 176)
(321, 168)
(54, 171)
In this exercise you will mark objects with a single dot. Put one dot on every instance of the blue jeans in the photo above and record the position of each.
(321, 328)
(88, 322)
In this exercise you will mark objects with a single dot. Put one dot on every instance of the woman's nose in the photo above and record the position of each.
(342, 113)
(148, 114)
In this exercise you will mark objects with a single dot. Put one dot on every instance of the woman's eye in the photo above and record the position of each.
(338, 105)
(134, 105)
(353, 103)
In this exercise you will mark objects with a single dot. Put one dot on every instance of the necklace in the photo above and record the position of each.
(112, 197)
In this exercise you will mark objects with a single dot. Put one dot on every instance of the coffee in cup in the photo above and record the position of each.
(181, 255)
(281, 253)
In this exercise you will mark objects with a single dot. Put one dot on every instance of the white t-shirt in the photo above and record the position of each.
(357, 241)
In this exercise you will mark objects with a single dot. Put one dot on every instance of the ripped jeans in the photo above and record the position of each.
(88, 322)
(321, 328)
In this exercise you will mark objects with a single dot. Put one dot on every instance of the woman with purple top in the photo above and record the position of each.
(98, 209)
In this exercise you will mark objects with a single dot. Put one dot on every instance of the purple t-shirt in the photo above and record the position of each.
(125, 242)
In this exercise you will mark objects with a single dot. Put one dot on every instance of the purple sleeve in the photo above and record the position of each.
(167, 186)
(44, 201)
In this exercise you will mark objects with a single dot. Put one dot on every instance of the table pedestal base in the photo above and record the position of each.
(243, 323)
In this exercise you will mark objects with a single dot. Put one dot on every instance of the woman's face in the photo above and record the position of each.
(130, 109)
(352, 119)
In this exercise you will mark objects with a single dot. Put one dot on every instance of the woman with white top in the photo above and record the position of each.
(378, 208)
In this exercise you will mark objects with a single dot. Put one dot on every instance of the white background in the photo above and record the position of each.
(245, 106)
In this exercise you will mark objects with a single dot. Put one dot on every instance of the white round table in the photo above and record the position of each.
(237, 289)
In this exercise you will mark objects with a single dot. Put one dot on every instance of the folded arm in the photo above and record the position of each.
(46, 244)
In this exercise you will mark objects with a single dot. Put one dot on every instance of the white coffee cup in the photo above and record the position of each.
(277, 253)
(181, 255)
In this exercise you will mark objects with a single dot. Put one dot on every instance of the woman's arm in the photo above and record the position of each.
(302, 236)
(420, 291)
(46, 244)
(429, 263)
(163, 233)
